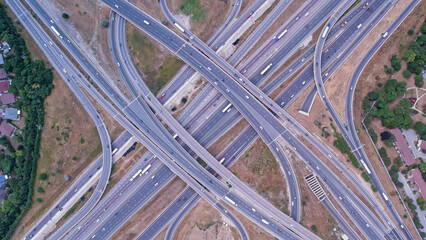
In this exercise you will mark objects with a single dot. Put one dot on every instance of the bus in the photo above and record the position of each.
(146, 22)
(226, 108)
(179, 27)
(136, 174)
(385, 34)
(175, 136)
(114, 151)
(265, 222)
(385, 197)
(221, 160)
(266, 69)
(229, 200)
(54, 30)
(146, 169)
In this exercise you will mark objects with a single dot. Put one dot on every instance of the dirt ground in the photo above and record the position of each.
(259, 169)
(144, 216)
(205, 222)
(216, 13)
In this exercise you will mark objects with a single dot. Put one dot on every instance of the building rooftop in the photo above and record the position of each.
(418, 179)
(11, 113)
(423, 144)
(7, 98)
(6, 129)
(4, 85)
(1, 60)
(3, 75)
(402, 145)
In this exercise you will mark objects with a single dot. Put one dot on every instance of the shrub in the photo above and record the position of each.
(418, 81)
(314, 228)
(40, 190)
(38, 200)
(406, 74)
(42, 176)
(105, 23)
(67, 178)
(65, 16)
(410, 32)
(395, 63)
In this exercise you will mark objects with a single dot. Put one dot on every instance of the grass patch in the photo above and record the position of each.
(264, 163)
(149, 57)
(193, 8)
(71, 210)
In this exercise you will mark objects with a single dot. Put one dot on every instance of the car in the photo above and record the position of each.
(365, 5)
(162, 95)
(222, 155)
(297, 18)
(279, 230)
(306, 25)
(200, 67)
(370, 10)
(349, 115)
(344, 23)
(64, 70)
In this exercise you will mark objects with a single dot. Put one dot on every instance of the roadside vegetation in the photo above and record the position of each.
(194, 9)
(32, 82)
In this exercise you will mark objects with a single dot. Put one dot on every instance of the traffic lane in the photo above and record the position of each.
(339, 218)
(126, 209)
(335, 185)
(326, 10)
(334, 32)
(290, 25)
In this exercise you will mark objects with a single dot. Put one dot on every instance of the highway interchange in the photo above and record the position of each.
(264, 122)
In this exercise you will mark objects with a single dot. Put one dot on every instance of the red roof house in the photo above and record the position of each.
(3, 75)
(402, 145)
(7, 98)
(4, 85)
(6, 128)
(418, 179)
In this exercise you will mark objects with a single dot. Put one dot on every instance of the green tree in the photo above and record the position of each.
(422, 167)
(406, 74)
(418, 81)
(65, 15)
(420, 201)
(395, 63)
(409, 56)
(40, 190)
(410, 31)
(373, 96)
(42, 176)
(105, 23)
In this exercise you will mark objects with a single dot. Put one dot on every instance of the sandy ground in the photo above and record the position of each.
(145, 215)
(206, 223)
(215, 15)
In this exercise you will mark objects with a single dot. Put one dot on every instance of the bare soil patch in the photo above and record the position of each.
(205, 222)
(259, 169)
(145, 215)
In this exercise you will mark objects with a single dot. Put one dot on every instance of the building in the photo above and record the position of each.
(3, 75)
(1, 60)
(402, 145)
(12, 114)
(5, 48)
(416, 177)
(7, 98)
(421, 145)
(6, 129)
(4, 86)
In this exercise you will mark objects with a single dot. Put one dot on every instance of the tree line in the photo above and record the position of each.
(32, 82)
